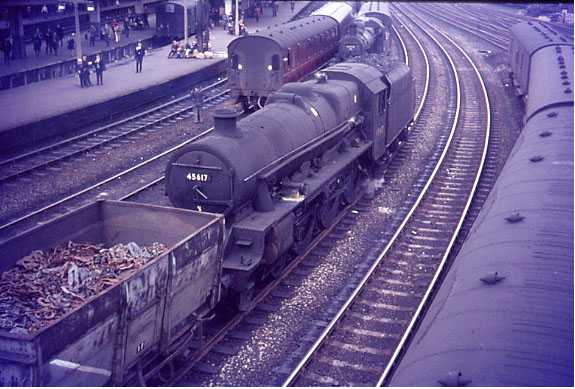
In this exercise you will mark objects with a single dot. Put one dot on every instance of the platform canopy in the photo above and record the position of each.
(24, 3)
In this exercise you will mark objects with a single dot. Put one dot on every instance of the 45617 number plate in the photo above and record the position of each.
(199, 177)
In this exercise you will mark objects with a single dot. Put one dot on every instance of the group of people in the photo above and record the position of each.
(52, 40)
(185, 50)
(230, 26)
(84, 67)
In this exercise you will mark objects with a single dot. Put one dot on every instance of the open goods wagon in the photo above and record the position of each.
(111, 337)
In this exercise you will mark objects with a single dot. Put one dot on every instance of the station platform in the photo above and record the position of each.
(31, 62)
(41, 110)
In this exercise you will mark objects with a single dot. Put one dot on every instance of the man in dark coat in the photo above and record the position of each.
(48, 41)
(140, 52)
(99, 67)
(37, 42)
(60, 35)
(7, 49)
(197, 99)
(80, 72)
(54, 43)
(86, 71)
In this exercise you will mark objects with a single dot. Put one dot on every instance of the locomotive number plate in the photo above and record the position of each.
(201, 177)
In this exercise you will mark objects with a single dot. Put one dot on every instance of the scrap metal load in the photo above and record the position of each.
(45, 285)
(108, 310)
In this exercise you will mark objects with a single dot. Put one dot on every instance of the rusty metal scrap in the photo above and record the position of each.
(45, 285)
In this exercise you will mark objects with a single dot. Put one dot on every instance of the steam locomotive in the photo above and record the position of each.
(369, 32)
(282, 174)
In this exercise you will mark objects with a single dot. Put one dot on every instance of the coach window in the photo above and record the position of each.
(235, 62)
(275, 62)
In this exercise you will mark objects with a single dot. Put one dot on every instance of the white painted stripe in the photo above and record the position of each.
(82, 368)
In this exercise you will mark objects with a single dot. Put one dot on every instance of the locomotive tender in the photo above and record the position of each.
(262, 62)
(369, 32)
(504, 314)
(285, 171)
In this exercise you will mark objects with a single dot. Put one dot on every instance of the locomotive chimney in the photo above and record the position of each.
(225, 122)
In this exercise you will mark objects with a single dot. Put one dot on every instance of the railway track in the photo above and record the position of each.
(78, 147)
(368, 332)
(200, 361)
(39, 164)
(155, 165)
(479, 29)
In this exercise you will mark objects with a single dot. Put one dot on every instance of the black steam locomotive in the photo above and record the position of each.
(369, 32)
(283, 173)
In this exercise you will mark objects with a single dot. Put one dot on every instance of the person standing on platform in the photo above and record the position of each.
(116, 29)
(127, 27)
(99, 67)
(54, 42)
(140, 52)
(60, 35)
(275, 7)
(86, 71)
(47, 40)
(71, 45)
(37, 42)
(92, 35)
(7, 50)
(292, 4)
(258, 13)
(80, 72)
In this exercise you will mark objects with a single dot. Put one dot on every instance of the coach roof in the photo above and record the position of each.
(534, 36)
(290, 34)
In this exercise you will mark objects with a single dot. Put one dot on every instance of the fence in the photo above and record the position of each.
(64, 68)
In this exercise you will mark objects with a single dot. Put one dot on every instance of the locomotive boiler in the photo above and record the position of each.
(284, 172)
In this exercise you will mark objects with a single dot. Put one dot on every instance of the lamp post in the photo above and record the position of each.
(185, 24)
(78, 37)
(237, 22)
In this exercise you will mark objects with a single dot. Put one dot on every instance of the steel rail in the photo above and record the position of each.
(402, 43)
(484, 35)
(434, 283)
(107, 180)
(108, 126)
(98, 132)
(427, 73)
(325, 333)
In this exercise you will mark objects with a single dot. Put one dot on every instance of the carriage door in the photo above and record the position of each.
(274, 69)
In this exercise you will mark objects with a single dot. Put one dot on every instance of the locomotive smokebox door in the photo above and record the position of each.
(200, 180)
